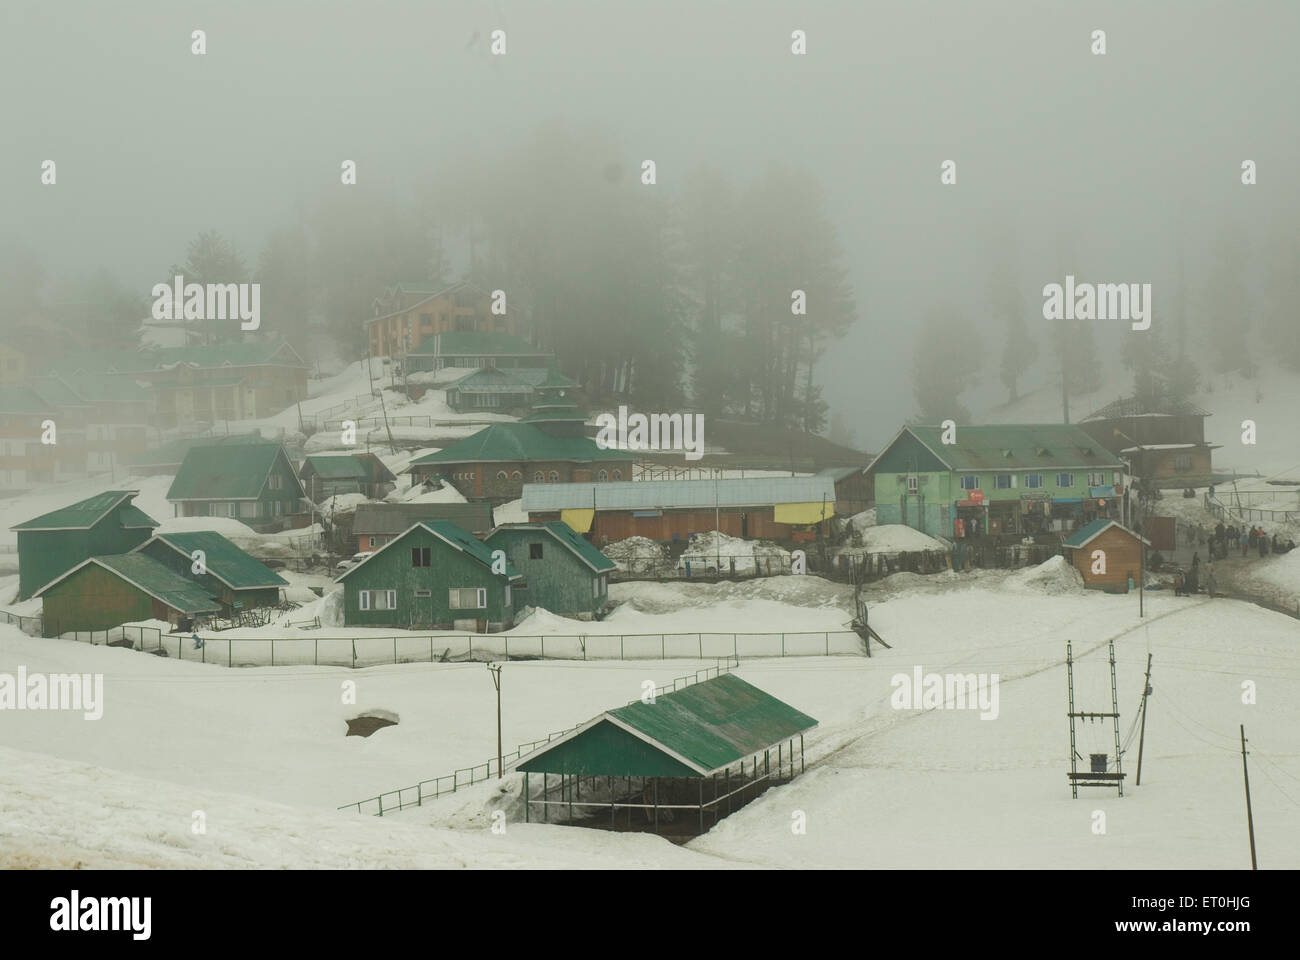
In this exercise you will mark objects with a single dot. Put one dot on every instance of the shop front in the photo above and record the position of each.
(1004, 516)
(1103, 503)
(970, 519)
(1035, 513)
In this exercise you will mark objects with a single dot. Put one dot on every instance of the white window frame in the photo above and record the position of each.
(363, 599)
(913, 483)
(507, 595)
(1065, 476)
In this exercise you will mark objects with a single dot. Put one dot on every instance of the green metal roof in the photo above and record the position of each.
(519, 441)
(173, 452)
(562, 532)
(239, 354)
(555, 380)
(1016, 447)
(154, 578)
(338, 467)
(476, 343)
(453, 535)
(705, 727)
(225, 561)
(86, 513)
(491, 380)
(1089, 531)
(237, 471)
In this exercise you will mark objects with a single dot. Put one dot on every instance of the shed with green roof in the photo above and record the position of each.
(55, 542)
(435, 576)
(675, 760)
(107, 591)
(562, 572)
(235, 579)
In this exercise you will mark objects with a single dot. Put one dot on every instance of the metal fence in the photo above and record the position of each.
(30, 625)
(135, 636)
(435, 787)
(359, 652)
(1243, 512)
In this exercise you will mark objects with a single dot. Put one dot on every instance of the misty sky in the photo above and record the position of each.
(1067, 162)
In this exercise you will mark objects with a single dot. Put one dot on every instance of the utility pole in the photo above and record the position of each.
(1142, 550)
(495, 669)
(1142, 737)
(1250, 820)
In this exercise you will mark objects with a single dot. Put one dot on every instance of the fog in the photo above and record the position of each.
(1123, 167)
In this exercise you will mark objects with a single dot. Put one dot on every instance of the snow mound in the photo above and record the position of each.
(897, 538)
(636, 554)
(1053, 576)
(512, 512)
(230, 528)
(342, 503)
(718, 550)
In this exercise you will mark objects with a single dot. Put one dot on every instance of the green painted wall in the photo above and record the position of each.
(45, 554)
(558, 582)
(391, 569)
(92, 599)
(607, 750)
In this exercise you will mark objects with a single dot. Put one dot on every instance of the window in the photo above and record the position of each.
(377, 599)
(598, 586)
(618, 474)
(501, 475)
(1003, 481)
(517, 475)
(424, 593)
(1096, 479)
(506, 599)
(467, 598)
(419, 556)
(277, 482)
(535, 551)
(1065, 480)
(373, 542)
(1033, 480)
(913, 484)
(363, 599)
(1183, 462)
(232, 509)
(970, 482)
(538, 477)
(555, 476)
(602, 475)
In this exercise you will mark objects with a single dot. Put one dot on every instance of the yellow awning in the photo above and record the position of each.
(802, 512)
(578, 520)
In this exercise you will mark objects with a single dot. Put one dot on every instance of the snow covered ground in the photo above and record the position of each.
(261, 751)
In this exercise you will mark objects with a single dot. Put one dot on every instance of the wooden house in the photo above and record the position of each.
(1002, 479)
(230, 576)
(25, 462)
(251, 482)
(107, 591)
(471, 348)
(407, 314)
(327, 475)
(376, 524)
(1107, 555)
(1162, 439)
(434, 576)
(54, 543)
(562, 572)
(767, 508)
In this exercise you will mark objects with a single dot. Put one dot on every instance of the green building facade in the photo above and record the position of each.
(229, 575)
(562, 572)
(433, 576)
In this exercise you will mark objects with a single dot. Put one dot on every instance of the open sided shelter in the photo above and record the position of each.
(708, 747)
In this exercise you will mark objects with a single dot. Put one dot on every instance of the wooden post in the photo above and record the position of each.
(1250, 820)
(528, 801)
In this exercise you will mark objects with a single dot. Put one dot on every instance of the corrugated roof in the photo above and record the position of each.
(708, 726)
(225, 561)
(476, 343)
(155, 579)
(1016, 447)
(519, 441)
(492, 380)
(1090, 531)
(226, 472)
(574, 542)
(451, 534)
(677, 494)
(86, 513)
(1135, 407)
(390, 518)
(338, 467)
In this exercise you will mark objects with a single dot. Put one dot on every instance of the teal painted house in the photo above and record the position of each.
(251, 482)
(562, 572)
(229, 575)
(1019, 479)
(52, 544)
(435, 576)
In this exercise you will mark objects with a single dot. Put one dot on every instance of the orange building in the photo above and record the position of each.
(406, 315)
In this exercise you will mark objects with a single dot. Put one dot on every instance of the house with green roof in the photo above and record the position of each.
(324, 475)
(254, 483)
(562, 572)
(477, 348)
(498, 460)
(166, 458)
(55, 542)
(435, 576)
(1014, 479)
(226, 573)
(244, 380)
(103, 592)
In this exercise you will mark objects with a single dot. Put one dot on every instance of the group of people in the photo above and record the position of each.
(1186, 584)
(1251, 538)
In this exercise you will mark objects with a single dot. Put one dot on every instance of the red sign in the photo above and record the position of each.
(975, 495)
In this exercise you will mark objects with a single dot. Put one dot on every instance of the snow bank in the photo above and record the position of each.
(715, 549)
(1052, 576)
(342, 503)
(897, 538)
(636, 554)
(512, 512)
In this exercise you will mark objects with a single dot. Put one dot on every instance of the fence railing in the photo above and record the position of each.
(30, 625)
(137, 636)
(434, 787)
(1232, 512)
(360, 652)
